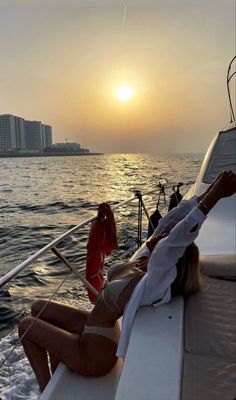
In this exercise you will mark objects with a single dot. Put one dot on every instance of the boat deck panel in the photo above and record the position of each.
(210, 329)
(210, 337)
(153, 363)
(155, 354)
(206, 379)
(67, 385)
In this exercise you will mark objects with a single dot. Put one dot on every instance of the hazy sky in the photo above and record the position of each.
(61, 62)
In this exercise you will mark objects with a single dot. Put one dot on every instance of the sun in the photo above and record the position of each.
(124, 92)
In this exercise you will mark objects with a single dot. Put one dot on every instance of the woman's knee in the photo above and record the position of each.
(24, 325)
(37, 306)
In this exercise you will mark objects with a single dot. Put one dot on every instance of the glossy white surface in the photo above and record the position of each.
(67, 385)
(153, 364)
(218, 233)
(152, 368)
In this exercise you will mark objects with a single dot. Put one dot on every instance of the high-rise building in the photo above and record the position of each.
(33, 135)
(12, 132)
(16, 133)
(46, 135)
(8, 132)
(20, 132)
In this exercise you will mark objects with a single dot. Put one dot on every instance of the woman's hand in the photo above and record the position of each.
(151, 243)
(225, 186)
(199, 198)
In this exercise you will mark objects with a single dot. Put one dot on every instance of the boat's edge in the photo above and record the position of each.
(155, 329)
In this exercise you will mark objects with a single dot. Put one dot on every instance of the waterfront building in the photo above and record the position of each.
(18, 134)
(33, 135)
(7, 132)
(46, 135)
(69, 147)
(12, 132)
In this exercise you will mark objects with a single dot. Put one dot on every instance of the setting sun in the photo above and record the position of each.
(124, 92)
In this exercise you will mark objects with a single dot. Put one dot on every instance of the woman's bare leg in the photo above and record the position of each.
(61, 315)
(36, 355)
(43, 337)
(69, 318)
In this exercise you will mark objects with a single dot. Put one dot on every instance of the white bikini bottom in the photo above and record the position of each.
(111, 333)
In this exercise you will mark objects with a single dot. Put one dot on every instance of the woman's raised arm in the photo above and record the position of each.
(224, 186)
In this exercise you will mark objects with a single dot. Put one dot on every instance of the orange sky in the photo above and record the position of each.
(62, 64)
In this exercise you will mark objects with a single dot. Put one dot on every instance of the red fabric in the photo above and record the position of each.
(102, 240)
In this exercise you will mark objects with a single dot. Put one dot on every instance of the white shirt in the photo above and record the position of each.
(155, 286)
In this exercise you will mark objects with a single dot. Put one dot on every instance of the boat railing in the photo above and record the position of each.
(30, 260)
(137, 195)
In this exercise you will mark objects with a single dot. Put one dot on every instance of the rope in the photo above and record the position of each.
(147, 215)
(72, 269)
(138, 194)
(176, 192)
(161, 192)
(139, 223)
(35, 319)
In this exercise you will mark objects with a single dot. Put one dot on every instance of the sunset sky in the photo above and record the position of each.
(139, 76)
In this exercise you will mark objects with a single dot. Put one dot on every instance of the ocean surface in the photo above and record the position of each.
(40, 199)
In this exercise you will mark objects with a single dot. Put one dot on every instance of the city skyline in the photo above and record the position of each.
(20, 134)
(118, 78)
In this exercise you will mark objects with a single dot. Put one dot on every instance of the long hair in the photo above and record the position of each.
(189, 279)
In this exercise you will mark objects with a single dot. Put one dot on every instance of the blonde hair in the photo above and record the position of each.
(189, 279)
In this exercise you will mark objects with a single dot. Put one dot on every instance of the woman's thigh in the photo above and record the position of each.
(60, 315)
(63, 345)
(87, 357)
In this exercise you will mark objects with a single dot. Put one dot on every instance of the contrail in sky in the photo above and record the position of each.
(124, 15)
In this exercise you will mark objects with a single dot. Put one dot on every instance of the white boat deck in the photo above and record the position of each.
(67, 385)
(155, 354)
(153, 364)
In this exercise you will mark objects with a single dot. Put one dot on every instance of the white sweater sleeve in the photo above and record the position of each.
(161, 272)
(170, 220)
(175, 215)
(161, 269)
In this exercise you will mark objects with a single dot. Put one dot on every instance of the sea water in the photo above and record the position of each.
(40, 199)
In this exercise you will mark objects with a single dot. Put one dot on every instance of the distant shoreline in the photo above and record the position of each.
(48, 154)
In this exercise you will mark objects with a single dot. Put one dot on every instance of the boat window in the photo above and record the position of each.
(223, 156)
